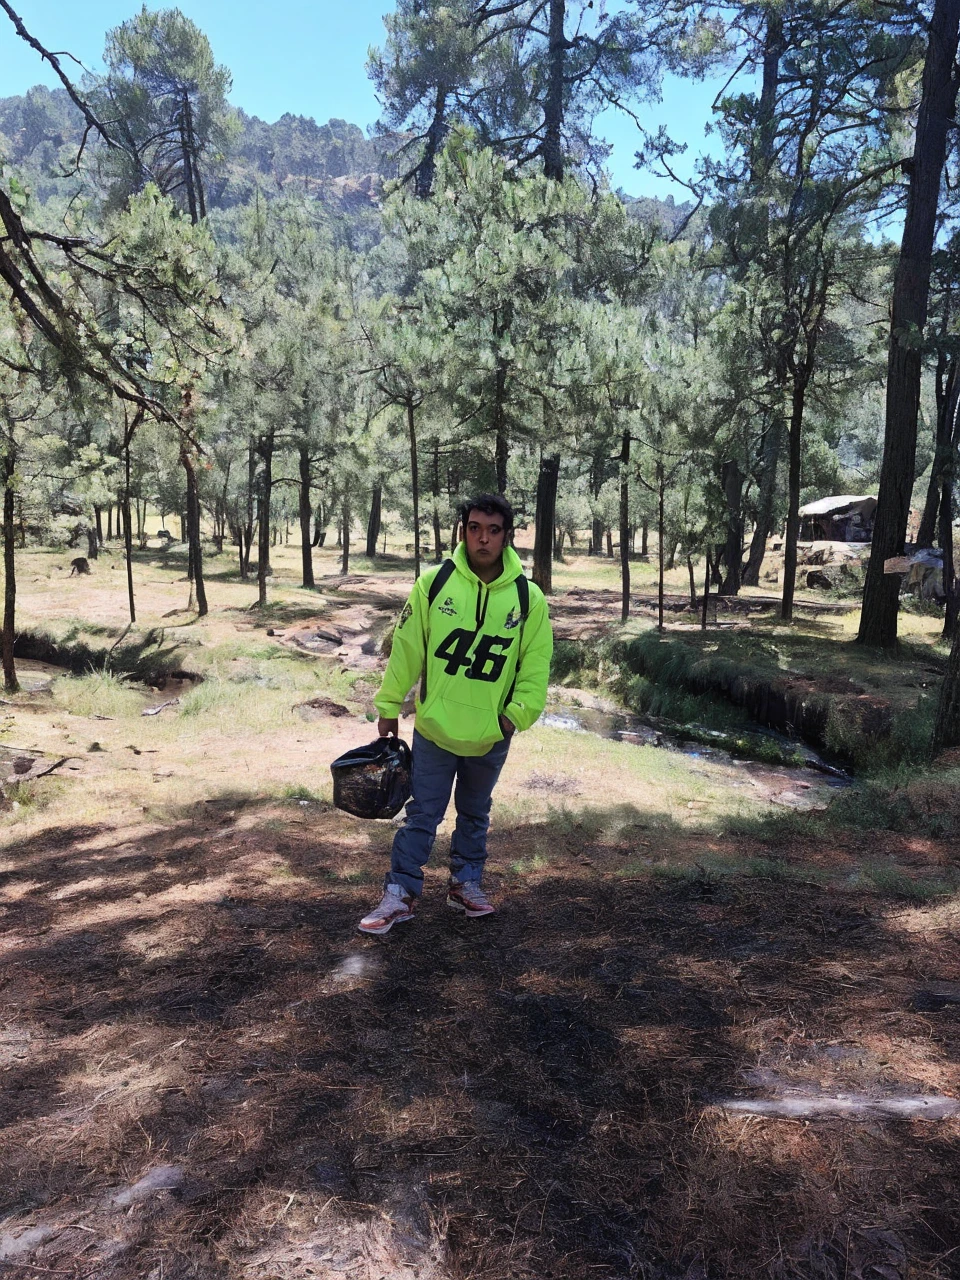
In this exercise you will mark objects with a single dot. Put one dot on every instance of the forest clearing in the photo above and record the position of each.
(318, 438)
(712, 1030)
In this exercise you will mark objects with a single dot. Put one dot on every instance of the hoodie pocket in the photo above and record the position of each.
(465, 711)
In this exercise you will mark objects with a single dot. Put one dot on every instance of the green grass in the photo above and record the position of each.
(238, 705)
(890, 881)
(300, 794)
(529, 866)
(99, 693)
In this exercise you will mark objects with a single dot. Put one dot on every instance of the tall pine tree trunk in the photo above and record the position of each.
(707, 570)
(320, 518)
(305, 512)
(878, 618)
(597, 468)
(793, 499)
(952, 602)
(415, 486)
(625, 527)
(127, 537)
(193, 529)
(552, 147)
(948, 393)
(661, 499)
(946, 729)
(265, 450)
(188, 158)
(436, 132)
(504, 319)
(246, 536)
(772, 441)
(731, 477)
(346, 518)
(544, 520)
(375, 519)
(437, 531)
(10, 682)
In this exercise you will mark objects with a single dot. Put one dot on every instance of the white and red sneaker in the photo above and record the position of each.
(395, 907)
(468, 897)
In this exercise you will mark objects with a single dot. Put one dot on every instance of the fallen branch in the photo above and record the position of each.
(38, 770)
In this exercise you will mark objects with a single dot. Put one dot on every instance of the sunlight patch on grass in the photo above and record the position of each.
(638, 783)
(528, 866)
(237, 706)
(99, 693)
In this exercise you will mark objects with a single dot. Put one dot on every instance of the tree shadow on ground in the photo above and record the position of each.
(537, 1094)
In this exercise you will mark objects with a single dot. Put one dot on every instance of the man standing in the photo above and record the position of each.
(476, 634)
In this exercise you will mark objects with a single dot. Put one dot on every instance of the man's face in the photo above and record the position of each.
(485, 537)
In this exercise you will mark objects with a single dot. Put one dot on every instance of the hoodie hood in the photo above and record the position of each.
(512, 567)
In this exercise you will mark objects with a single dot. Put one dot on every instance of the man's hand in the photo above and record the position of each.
(388, 728)
(507, 727)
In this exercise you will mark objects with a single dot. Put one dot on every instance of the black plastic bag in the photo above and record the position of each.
(373, 781)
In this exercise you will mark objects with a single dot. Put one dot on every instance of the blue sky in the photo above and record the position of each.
(308, 58)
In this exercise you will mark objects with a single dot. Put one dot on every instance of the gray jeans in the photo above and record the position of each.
(434, 771)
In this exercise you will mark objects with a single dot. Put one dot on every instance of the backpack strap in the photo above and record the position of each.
(440, 580)
(523, 599)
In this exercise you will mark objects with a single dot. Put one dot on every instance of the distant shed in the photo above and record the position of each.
(845, 518)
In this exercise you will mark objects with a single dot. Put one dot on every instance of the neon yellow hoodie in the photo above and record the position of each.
(465, 650)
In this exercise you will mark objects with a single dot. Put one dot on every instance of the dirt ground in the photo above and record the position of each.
(687, 1047)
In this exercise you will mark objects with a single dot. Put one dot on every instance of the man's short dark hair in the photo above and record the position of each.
(491, 504)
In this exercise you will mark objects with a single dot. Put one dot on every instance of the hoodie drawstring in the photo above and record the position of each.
(485, 600)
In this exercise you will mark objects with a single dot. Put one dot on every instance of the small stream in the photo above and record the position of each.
(788, 782)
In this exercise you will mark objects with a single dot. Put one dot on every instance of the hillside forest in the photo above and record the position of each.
(246, 325)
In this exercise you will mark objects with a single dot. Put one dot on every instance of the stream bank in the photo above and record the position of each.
(858, 709)
(783, 771)
(794, 704)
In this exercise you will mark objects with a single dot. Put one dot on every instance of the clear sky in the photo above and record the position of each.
(307, 57)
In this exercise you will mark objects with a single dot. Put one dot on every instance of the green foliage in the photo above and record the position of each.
(652, 698)
(162, 82)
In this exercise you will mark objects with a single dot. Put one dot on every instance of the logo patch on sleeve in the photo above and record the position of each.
(449, 608)
(405, 614)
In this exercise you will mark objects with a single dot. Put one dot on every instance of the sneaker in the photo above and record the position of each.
(468, 897)
(393, 908)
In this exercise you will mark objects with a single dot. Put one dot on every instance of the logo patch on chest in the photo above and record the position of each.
(448, 607)
(513, 619)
